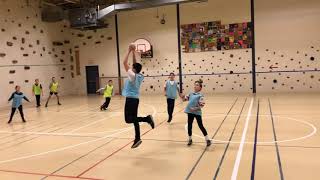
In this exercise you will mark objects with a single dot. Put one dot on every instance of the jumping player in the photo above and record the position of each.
(132, 92)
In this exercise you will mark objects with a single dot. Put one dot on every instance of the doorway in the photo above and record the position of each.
(92, 73)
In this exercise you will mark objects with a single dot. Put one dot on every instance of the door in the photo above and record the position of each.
(92, 79)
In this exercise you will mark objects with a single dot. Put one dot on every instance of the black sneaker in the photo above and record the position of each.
(24, 121)
(169, 120)
(59, 104)
(136, 143)
(151, 122)
(101, 108)
(189, 142)
(9, 122)
(209, 143)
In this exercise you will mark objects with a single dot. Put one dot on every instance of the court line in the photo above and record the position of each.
(61, 149)
(288, 146)
(254, 154)
(92, 123)
(314, 131)
(27, 140)
(59, 169)
(51, 132)
(42, 174)
(276, 143)
(118, 150)
(243, 138)
(59, 123)
(154, 113)
(201, 155)
(230, 138)
(57, 129)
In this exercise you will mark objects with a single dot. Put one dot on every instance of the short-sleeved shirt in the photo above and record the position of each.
(195, 100)
(132, 85)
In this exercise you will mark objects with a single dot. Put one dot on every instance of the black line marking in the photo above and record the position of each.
(23, 136)
(253, 167)
(285, 146)
(59, 169)
(227, 147)
(298, 71)
(113, 138)
(200, 157)
(276, 143)
(253, 52)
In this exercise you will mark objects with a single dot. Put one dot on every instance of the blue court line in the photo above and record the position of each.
(253, 167)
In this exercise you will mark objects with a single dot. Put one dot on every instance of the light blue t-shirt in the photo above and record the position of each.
(194, 101)
(132, 88)
(171, 90)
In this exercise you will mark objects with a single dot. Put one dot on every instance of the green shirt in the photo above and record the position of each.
(108, 90)
(36, 88)
(54, 87)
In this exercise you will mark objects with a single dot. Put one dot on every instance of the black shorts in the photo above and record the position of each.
(55, 93)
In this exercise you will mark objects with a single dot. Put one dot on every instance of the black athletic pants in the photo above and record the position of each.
(131, 115)
(199, 121)
(38, 100)
(170, 107)
(106, 103)
(13, 110)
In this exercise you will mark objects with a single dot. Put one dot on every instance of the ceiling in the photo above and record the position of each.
(67, 4)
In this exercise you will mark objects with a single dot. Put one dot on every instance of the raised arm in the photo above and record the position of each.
(126, 61)
(134, 59)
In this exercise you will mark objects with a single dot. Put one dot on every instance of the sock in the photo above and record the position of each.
(207, 138)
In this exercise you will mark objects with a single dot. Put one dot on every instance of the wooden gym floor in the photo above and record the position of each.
(263, 136)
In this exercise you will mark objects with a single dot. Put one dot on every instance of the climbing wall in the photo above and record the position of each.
(31, 49)
(225, 71)
(288, 46)
(95, 47)
(222, 71)
(163, 37)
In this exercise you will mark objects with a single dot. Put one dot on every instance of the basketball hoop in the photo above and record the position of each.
(143, 48)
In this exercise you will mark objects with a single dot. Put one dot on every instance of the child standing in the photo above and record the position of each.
(107, 94)
(37, 91)
(193, 109)
(54, 86)
(170, 90)
(16, 98)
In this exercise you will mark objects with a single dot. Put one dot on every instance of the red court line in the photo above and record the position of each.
(96, 164)
(43, 174)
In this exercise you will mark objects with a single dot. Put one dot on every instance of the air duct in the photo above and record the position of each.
(112, 9)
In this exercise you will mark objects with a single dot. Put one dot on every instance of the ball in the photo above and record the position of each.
(132, 47)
